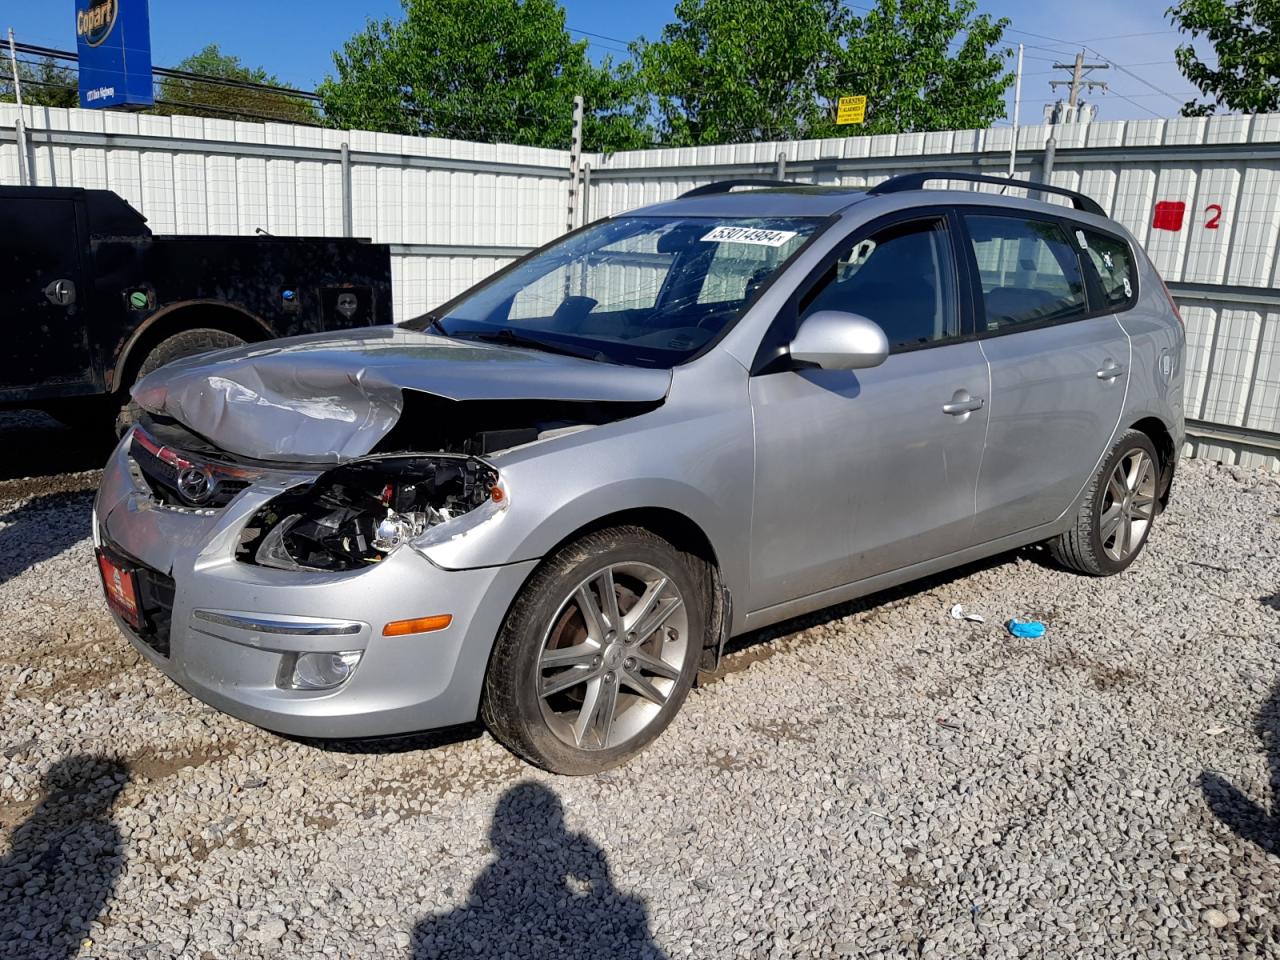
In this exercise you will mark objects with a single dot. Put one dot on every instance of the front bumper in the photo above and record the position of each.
(232, 626)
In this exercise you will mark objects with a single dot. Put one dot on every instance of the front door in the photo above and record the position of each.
(44, 350)
(865, 471)
(1058, 373)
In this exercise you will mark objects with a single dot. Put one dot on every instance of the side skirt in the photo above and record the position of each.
(756, 619)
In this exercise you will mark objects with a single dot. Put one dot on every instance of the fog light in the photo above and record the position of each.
(320, 671)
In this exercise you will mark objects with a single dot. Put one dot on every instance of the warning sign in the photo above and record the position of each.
(851, 110)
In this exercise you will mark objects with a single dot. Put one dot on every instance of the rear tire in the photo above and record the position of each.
(188, 343)
(578, 683)
(1115, 517)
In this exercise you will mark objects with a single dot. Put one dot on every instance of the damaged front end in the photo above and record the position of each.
(343, 518)
(385, 437)
(355, 515)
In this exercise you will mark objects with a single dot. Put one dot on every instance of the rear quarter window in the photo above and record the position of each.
(1112, 258)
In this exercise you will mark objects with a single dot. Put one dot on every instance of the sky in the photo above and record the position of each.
(293, 39)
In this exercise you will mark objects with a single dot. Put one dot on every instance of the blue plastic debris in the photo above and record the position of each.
(1030, 629)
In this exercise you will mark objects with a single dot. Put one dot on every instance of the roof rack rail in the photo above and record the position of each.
(916, 181)
(724, 186)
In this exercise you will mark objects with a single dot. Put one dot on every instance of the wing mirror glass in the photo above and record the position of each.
(835, 340)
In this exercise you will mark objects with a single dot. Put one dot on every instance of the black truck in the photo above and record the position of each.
(92, 299)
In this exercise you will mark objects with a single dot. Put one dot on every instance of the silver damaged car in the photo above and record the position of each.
(550, 502)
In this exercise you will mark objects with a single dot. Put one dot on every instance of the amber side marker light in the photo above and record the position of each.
(402, 628)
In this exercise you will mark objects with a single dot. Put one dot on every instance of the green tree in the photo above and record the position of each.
(44, 83)
(740, 70)
(926, 65)
(192, 97)
(1245, 36)
(728, 71)
(500, 71)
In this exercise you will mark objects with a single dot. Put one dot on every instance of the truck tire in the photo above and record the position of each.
(188, 343)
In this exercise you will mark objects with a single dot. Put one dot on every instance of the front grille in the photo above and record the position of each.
(155, 597)
(161, 468)
(155, 600)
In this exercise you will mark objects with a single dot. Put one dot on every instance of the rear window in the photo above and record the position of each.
(1030, 272)
(1113, 259)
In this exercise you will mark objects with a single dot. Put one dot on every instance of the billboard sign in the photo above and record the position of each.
(113, 38)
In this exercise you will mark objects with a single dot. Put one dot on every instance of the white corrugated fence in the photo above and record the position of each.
(1202, 195)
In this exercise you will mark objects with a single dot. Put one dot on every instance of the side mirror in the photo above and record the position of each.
(835, 340)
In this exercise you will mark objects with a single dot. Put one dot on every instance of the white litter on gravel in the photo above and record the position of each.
(880, 780)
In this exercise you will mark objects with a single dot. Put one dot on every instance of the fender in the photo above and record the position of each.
(506, 539)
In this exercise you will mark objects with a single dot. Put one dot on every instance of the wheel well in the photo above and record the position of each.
(175, 319)
(1162, 440)
(683, 534)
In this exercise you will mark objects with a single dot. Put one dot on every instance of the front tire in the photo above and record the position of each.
(597, 653)
(1117, 512)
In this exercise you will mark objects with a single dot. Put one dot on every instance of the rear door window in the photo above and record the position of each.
(1113, 259)
(1029, 271)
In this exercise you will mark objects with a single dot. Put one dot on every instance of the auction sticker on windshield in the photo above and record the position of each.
(763, 238)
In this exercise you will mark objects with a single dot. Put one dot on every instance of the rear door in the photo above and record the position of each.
(44, 349)
(863, 471)
(1059, 368)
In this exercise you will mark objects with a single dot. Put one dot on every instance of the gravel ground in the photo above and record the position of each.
(877, 781)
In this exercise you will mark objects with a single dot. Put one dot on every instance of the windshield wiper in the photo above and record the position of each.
(434, 322)
(512, 338)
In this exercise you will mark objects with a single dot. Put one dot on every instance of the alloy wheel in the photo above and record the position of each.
(1128, 505)
(612, 655)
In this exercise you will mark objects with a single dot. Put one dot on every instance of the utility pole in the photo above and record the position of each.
(20, 127)
(1079, 78)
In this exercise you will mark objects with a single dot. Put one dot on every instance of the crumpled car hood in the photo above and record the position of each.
(326, 398)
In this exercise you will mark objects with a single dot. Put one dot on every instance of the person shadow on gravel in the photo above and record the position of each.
(1247, 817)
(62, 861)
(547, 895)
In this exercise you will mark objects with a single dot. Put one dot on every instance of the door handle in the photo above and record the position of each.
(961, 404)
(1110, 370)
(61, 293)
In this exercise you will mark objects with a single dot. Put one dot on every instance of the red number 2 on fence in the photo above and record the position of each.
(1214, 211)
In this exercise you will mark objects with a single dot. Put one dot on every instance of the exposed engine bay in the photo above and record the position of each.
(356, 514)
(427, 470)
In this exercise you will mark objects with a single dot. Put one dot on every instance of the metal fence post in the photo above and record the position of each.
(782, 165)
(575, 161)
(346, 191)
(1046, 174)
(25, 175)
(586, 193)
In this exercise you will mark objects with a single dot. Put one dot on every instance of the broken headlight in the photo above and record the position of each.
(355, 515)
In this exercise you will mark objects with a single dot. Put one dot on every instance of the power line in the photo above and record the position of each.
(1128, 72)
(601, 36)
(71, 56)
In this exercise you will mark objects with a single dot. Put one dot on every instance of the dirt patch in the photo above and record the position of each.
(14, 812)
(84, 482)
(788, 731)
(154, 768)
(237, 839)
(1103, 676)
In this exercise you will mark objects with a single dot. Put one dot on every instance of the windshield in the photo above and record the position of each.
(646, 291)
